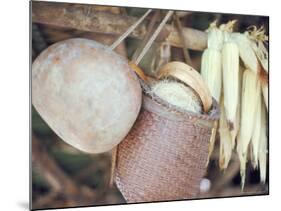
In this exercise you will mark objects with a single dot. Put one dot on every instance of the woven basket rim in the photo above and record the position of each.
(212, 115)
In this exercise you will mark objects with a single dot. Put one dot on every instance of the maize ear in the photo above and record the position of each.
(246, 52)
(255, 141)
(250, 91)
(211, 71)
(230, 69)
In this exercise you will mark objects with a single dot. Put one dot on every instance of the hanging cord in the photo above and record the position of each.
(129, 31)
(153, 37)
(150, 29)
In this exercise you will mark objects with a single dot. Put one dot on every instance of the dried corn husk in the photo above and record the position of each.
(236, 124)
(230, 69)
(228, 27)
(255, 141)
(250, 91)
(225, 140)
(211, 71)
(190, 76)
(258, 38)
(177, 94)
(211, 61)
(262, 157)
(215, 37)
(246, 52)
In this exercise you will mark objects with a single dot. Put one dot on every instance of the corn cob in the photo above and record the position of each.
(250, 91)
(230, 67)
(255, 141)
(225, 140)
(211, 71)
(258, 38)
(246, 52)
(263, 146)
(211, 61)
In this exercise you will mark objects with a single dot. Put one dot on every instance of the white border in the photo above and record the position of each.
(14, 86)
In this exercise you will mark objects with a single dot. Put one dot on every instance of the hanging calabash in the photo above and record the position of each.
(86, 93)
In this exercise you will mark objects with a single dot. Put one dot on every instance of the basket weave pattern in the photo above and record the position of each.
(163, 157)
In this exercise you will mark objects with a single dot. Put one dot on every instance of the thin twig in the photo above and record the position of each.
(153, 37)
(129, 31)
(147, 36)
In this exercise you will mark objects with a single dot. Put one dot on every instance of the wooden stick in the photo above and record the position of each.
(113, 165)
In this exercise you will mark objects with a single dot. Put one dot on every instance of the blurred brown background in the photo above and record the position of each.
(65, 177)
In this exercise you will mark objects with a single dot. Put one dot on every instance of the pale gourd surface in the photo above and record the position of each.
(86, 93)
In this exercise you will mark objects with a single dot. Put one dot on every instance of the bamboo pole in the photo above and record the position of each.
(79, 17)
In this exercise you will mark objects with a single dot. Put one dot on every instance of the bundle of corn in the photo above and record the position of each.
(248, 119)
(253, 129)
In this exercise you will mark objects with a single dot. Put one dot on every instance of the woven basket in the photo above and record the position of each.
(164, 155)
